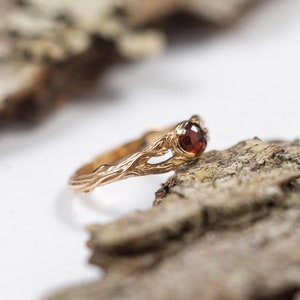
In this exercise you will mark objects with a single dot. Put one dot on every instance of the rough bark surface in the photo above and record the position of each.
(224, 227)
(50, 50)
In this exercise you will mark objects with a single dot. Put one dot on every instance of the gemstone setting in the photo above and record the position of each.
(194, 139)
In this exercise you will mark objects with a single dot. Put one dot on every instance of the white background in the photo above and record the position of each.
(243, 81)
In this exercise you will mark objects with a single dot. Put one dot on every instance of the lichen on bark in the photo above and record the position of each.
(52, 50)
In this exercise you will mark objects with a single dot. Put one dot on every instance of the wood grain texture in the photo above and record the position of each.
(224, 227)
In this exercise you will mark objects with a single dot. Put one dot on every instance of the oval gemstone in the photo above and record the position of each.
(194, 139)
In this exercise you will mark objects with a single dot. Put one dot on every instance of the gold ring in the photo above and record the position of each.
(187, 141)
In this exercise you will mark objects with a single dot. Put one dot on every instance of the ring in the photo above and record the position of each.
(186, 141)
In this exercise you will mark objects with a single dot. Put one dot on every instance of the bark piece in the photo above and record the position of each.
(224, 227)
(50, 50)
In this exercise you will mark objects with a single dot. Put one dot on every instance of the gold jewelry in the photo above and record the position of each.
(187, 141)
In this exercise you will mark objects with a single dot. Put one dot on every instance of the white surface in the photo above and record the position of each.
(244, 81)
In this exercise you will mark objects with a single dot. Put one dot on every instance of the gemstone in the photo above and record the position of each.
(194, 139)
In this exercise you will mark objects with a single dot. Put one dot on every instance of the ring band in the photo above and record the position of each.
(187, 141)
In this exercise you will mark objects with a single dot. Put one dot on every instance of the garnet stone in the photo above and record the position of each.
(194, 139)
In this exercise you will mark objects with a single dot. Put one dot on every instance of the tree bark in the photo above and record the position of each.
(51, 50)
(224, 227)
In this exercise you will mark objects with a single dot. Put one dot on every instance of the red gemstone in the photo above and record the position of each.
(194, 139)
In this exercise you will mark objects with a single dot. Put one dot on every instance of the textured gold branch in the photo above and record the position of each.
(127, 161)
